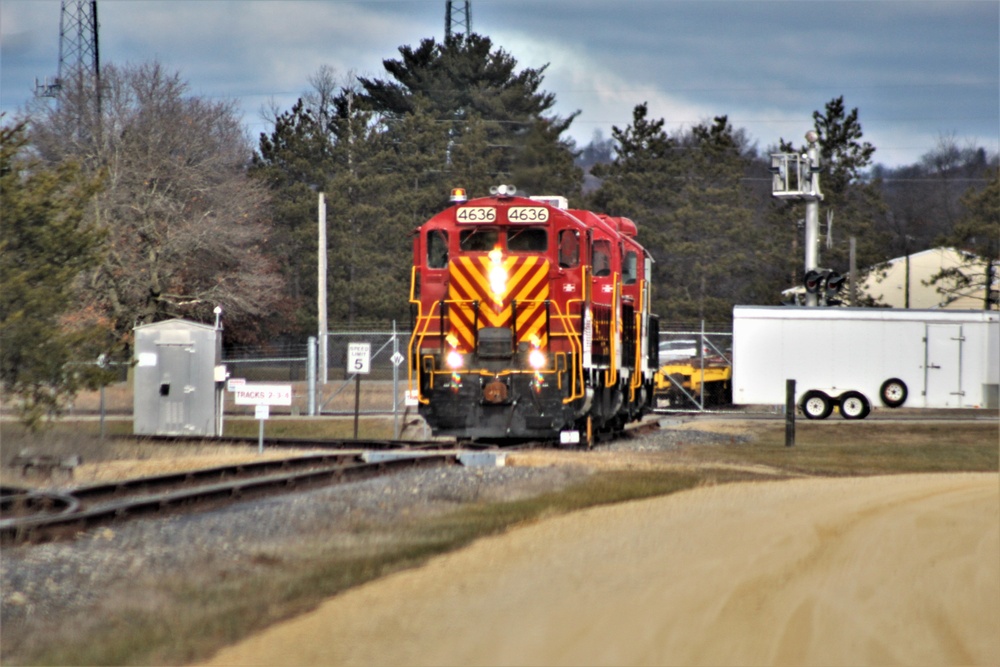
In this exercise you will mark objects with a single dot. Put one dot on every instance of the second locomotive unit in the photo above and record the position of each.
(531, 321)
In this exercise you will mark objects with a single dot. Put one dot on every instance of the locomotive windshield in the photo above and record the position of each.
(630, 268)
(522, 239)
(528, 239)
(478, 240)
(602, 258)
(437, 249)
(569, 248)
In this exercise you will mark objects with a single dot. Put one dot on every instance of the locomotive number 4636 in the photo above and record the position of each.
(476, 214)
(527, 214)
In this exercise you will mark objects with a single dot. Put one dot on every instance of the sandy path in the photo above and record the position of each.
(889, 570)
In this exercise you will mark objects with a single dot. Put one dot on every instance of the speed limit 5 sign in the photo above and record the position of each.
(359, 358)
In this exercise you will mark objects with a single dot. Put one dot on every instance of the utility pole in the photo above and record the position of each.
(321, 291)
(457, 20)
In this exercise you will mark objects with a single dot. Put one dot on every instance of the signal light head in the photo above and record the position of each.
(835, 282)
(813, 280)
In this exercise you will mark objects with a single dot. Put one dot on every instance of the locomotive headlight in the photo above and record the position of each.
(536, 359)
(453, 359)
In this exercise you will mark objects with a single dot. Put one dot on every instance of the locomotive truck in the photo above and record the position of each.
(531, 321)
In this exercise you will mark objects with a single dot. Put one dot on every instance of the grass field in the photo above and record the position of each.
(199, 612)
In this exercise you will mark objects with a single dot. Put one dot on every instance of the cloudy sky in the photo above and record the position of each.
(917, 71)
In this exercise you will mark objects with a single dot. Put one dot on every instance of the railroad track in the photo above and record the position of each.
(29, 517)
(297, 443)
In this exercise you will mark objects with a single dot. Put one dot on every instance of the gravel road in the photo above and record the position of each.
(882, 570)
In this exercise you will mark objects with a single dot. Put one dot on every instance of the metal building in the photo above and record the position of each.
(178, 379)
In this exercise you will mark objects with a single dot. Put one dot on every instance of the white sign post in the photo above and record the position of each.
(359, 358)
(262, 396)
(359, 363)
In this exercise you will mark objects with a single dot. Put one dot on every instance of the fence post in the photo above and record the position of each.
(311, 373)
(789, 413)
(395, 384)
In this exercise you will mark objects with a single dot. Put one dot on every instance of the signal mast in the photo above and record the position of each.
(796, 177)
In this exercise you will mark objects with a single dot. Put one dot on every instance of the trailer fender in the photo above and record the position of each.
(893, 392)
(816, 404)
(854, 405)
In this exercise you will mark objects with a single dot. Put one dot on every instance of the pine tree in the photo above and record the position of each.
(694, 214)
(466, 81)
(978, 235)
(45, 245)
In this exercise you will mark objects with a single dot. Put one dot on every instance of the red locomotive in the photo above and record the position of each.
(531, 321)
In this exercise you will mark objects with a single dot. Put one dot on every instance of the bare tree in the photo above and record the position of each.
(185, 223)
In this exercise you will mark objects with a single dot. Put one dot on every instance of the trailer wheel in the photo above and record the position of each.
(816, 405)
(854, 405)
(893, 392)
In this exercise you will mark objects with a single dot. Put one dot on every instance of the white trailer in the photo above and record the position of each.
(853, 359)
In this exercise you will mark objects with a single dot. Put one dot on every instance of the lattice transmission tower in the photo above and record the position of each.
(79, 55)
(457, 19)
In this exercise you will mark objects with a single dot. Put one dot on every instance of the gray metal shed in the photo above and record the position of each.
(178, 379)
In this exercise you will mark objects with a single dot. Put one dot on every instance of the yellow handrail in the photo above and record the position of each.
(637, 374)
(611, 375)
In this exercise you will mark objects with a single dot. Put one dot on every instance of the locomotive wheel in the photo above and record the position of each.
(853, 405)
(816, 405)
(893, 392)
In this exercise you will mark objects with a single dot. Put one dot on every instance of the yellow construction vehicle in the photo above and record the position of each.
(688, 382)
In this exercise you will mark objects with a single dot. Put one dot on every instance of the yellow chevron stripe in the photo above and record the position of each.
(469, 282)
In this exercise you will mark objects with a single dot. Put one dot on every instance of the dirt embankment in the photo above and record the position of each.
(884, 570)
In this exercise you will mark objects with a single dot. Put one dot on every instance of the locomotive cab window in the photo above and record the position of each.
(437, 249)
(602, 258)
(630, 268)
(528, 239)
(569, 248)
(478, 240)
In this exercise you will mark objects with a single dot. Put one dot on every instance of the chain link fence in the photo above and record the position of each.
(381, 391)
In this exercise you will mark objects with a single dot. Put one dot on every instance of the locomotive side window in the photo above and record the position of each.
(529, 239)
(569, 248)
(437, 249)
(602, 258)
(630, 268)
(478, 240)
